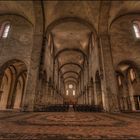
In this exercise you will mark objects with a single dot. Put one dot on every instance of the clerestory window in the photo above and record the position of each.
(4, 30)
(136, 27)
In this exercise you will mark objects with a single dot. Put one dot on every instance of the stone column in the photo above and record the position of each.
(11, 94)
(131, 95)
(33, 70)
(108, 78)
(39, 93)
(95, 93)
(45, 93)
(52, 95)
(33, 75)
(91, 94)
(87, 93)
(49, 95)
(84, 98)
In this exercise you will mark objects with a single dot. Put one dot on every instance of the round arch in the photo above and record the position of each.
(69, 19)
(71, 77)
(123, 15)
(70, 63)
(71, 49)
(130, 63)
(14, 70)
(70, 81)
(70, 72)
(17, 15)
(10, 63)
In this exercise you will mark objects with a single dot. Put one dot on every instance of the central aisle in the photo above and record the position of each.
(71, 108)
(68, 125)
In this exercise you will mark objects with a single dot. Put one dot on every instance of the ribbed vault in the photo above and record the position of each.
(71, 47)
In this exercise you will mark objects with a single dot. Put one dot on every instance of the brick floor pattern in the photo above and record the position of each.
(69, 126)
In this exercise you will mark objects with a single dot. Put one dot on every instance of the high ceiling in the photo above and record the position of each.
(122, 39)
(71, 35)
(22, 8)
(71, 26)
(71, 23)
(87, 10)
(71, 41)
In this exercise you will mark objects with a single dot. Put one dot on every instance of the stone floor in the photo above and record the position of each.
(69, 125)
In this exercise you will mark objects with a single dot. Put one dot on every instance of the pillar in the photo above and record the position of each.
(108, 77)
(32, 75)
(33, 70)
(91, 94)
(131, 95)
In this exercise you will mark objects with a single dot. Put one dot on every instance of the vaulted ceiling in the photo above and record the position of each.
(71, 29)
(71, 23)
(71, 46)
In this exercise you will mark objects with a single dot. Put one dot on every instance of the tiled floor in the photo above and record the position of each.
(69, 125)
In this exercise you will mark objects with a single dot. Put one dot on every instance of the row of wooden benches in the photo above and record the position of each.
(65, 108)
(87, 108)
(52, 108)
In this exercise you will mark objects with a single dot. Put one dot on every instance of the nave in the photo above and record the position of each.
(69, 69)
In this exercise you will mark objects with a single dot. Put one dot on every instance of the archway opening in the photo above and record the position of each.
(128, 84)
(12, 84)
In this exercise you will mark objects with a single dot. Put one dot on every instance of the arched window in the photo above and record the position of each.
(73, 92)
(136, 27)
(132, 74)
(67, 92)
(71, 86)
(4, 30)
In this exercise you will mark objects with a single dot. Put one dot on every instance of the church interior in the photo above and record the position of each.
(69, 69)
